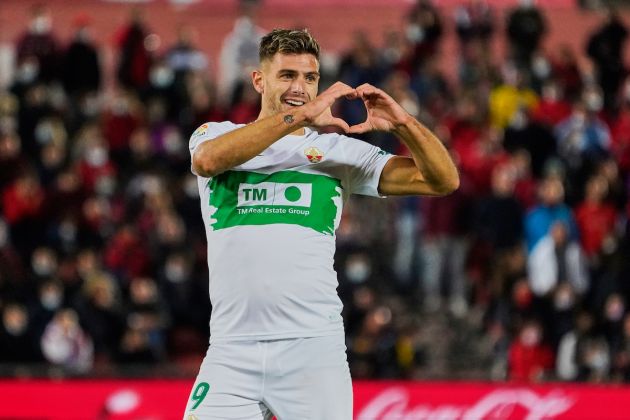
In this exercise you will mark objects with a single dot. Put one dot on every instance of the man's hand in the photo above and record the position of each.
(317, 113)
(383, 112)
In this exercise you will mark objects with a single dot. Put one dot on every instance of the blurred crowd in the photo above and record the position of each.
(102, 245)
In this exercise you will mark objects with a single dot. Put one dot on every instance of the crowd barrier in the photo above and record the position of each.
(165, 399)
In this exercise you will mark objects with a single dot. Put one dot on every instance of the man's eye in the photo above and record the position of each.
(285, 76)
(310, 78)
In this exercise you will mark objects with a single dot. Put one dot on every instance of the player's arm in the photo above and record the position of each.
(238, 146)
(430, 170)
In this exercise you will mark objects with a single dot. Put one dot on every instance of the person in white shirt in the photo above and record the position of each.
(272, 193)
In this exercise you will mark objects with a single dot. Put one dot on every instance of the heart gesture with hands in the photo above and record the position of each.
(317, 113)
(383, 112)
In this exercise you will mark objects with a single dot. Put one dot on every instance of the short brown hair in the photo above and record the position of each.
(287, 41)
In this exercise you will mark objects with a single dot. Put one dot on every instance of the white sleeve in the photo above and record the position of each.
(366, 165)
(205, 132)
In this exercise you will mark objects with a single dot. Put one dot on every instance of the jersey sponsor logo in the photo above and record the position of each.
(274, 193)
(240, 198)
(201, 130)
(313, 154)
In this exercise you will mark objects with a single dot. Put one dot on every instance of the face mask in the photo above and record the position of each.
(44, 132)
(415, 33)
(41, 25)
(83, 35)
(175, 272)
(541, 67)
(27, 72)
(190, 187)
(120, 107)
(173, 142)
(105, 186)
(519, 120)
(598, 361)
(358, 271)
(68, 231)
(579, 121)
(51, 300)
(161, 77)
(96, 157)
(91, 106)
(551, 94)
(43, 266)
(594, 102)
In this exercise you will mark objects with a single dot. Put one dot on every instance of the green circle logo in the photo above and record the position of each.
(292, 194)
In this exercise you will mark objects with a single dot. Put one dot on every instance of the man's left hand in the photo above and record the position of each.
(383, 112)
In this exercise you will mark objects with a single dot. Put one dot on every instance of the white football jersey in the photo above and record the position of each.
(270, 225)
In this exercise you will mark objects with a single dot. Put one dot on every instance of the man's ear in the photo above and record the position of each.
(257, 81)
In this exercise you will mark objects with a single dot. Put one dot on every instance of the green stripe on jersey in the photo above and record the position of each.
(288, 197)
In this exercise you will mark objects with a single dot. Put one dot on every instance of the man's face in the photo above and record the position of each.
(286, 81)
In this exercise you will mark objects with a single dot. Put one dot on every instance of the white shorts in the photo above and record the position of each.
(293, 379)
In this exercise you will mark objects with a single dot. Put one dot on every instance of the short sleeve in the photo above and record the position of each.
(366, 165)
(206, 132)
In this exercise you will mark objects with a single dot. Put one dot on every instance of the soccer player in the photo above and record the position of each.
(271, 198)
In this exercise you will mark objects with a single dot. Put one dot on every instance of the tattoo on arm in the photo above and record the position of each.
(288, 119)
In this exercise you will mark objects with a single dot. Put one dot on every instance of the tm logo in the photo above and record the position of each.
(275, 194)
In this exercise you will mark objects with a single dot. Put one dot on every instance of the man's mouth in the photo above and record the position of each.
(294, 102)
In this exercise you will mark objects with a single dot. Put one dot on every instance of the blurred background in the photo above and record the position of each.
(521, 276)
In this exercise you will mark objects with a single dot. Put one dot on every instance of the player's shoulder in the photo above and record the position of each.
(213, 129)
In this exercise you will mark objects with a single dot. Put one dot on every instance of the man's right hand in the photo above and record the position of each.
(317, 113)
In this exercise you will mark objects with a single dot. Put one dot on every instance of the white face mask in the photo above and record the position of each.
(44, 265)
(27, 72)
(68, 231)
(161, 77)
(358, 271)
(175, 272)
(96, 156)
(541, 67)
(41, 25)
(594, 102)
(105, 186)
(51, 299)
(173, 142)
(190, 187)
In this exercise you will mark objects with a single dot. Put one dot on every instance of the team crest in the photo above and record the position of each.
(314, 155)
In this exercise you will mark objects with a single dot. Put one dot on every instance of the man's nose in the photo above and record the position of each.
(297, 86)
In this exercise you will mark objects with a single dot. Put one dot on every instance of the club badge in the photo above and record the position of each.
(314, 155)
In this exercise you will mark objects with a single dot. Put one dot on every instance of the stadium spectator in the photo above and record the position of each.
(526, 25)
(65, 344)
(239, 52)
(37, 50)
(135, 58)
(554, 255)
(530, 359)
(81, 67)
(474, 20)
(605, 48)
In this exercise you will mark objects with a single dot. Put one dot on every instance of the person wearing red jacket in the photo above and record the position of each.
(529, 358)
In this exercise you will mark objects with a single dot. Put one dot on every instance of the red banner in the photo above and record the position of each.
(165, 400)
